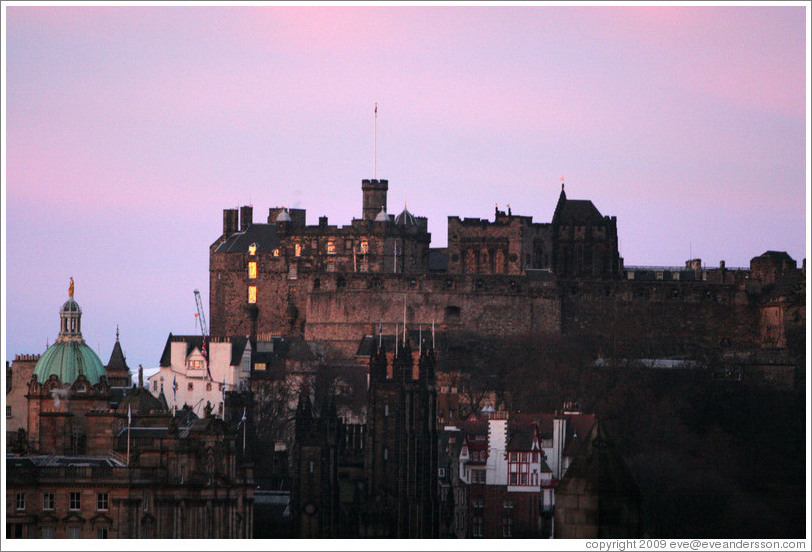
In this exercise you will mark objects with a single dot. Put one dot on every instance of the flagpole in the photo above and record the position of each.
(129, 422)
(375, 144)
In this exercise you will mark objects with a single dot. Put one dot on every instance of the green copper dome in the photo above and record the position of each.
(68, 360)
(70, 357)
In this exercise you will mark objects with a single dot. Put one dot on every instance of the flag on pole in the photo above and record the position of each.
(242, 420)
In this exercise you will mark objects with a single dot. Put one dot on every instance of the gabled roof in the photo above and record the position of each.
(579, 212)
(195, 342)
(598, 468)
(264, 235)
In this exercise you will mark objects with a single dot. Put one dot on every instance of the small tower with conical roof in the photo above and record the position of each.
(118, 373)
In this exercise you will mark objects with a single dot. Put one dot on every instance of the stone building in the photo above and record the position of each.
(505, 277)
(509, 468)
(85, 466)
(401, 447)
(597, 498)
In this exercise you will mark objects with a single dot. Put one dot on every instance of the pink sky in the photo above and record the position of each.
(130, 129)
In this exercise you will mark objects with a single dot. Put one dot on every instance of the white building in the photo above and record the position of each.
(188, 377)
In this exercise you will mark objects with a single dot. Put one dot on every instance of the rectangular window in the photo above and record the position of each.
(524, 479)
(298, 249)
(75, 502)
(259, 366)
(8, 412)
(508, 504)
(535, 457)
(47, 501)
(513, 457)
(20, 501)
(479, 503)
(513, 478)
(507, 527)
(191, 386)
(47, 532)
(479, 476)
(74, 533)
(477, 527)
(252, 269)
(364, 246)
(331, 247)
(101, 532)
(102, 501)
(252, 294)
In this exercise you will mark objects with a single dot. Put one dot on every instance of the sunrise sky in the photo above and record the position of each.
(129, 129)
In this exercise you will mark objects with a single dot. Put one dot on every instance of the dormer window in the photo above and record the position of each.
(252, 249)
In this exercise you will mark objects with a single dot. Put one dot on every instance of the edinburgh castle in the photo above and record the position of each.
(507, 277)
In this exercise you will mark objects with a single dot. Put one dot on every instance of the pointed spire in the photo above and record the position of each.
(116, 333)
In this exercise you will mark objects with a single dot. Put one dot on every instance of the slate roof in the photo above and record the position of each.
(438, 259)
(598, 468)
(195, 341)
(580, 212)
(264, 235)
(117, 361)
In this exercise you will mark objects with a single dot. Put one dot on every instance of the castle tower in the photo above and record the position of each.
(374, 197)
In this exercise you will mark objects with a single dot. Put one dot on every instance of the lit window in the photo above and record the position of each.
(298, 250)
(259, 366)
(47, 501)
(252, 294)
(75, 500)
(21, 501)
(252, 269)
(252, 249)
(102, 501)
(276, 252)
(331, 247)
(364, 246)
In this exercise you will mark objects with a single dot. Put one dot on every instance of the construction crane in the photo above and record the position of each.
(200, 315)
(203, 331)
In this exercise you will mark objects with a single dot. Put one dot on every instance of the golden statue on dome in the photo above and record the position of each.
(70, 288)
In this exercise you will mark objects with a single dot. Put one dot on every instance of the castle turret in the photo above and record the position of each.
(374, 197)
